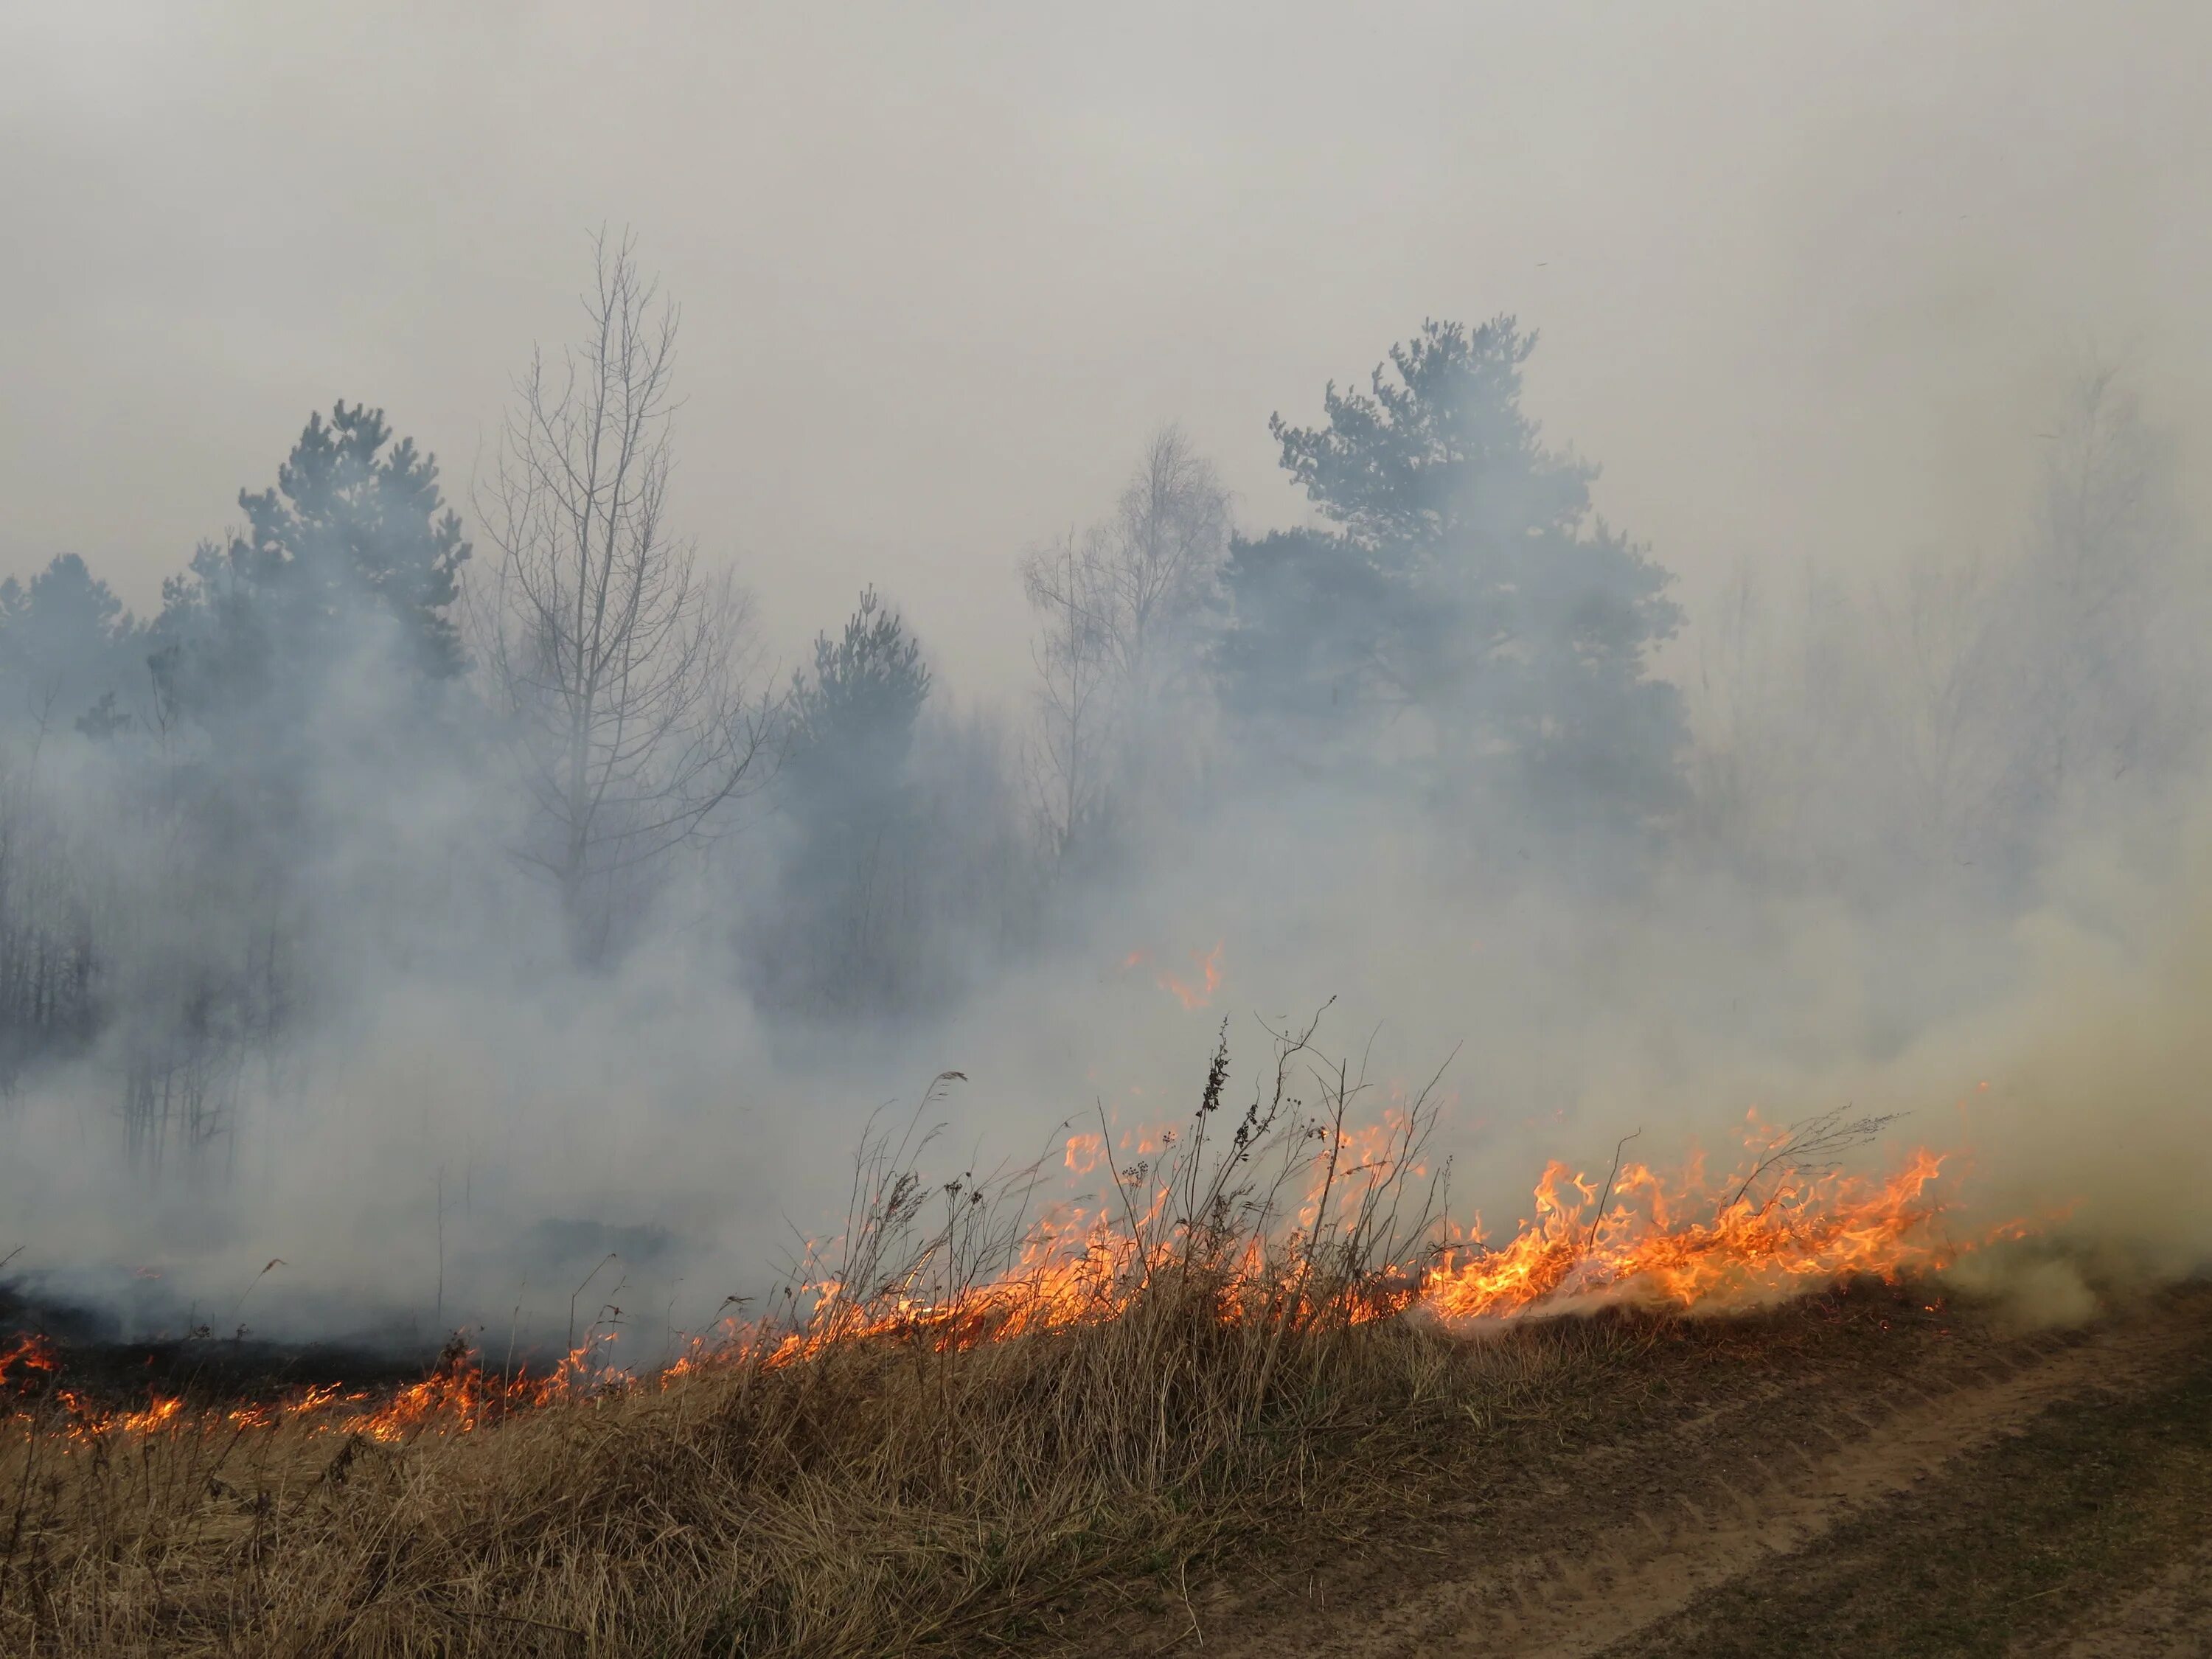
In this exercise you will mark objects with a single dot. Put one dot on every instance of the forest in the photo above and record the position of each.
(390, 727)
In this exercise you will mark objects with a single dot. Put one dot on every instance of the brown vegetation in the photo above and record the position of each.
(877, 1495)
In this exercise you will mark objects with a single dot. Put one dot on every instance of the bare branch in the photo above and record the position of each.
(622, 673)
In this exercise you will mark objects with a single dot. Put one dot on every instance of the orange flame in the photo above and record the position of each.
(27, 1362)
(457, 1397)
(1085, 1152)
(1194, 998)
(1688, 1242)
(1647, 1251)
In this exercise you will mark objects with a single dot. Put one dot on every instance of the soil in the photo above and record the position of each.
(1959, 1490)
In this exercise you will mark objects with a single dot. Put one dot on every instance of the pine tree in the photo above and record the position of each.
(352, 544)
(1467, 580)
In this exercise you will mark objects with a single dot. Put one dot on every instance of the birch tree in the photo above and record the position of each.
(1066, 589)
(1160, 560)
(619, 668)
(1118, 616)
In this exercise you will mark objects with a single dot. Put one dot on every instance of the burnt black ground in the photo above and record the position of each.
(200, 1363)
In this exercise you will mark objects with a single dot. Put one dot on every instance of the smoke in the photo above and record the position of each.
(2093, 1123)
(355, 1035)
(1904, 815)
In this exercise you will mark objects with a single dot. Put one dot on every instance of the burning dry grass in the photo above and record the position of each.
(967, 1415)
(872, 1497)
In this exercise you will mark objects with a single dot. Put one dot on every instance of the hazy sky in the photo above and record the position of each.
(1807, 276)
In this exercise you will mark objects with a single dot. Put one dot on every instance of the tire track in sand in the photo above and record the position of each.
(1763, 1494)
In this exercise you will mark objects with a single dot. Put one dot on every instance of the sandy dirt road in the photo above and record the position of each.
(2043, 1494)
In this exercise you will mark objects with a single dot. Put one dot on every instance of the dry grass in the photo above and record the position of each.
(878, 1496)
(890, 1472)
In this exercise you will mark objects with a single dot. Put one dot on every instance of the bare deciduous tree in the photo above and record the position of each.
(619, 668)
(1074, 666)
(1116, 615)
(1955, 714)
(1160, 558)
(2109, 596)
(2031, 690)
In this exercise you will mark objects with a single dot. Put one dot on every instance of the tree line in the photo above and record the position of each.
(358, 726)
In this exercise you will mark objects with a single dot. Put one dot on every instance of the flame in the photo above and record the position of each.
(1650, 1249)
(1687, 1241)
(459, 1396)
(27, 1365)
(1085, 1152)
(1194, 998)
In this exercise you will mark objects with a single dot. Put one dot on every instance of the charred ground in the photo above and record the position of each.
(202, 1364)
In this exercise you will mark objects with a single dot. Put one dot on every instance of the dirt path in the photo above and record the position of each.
(2171, 1615)
(2049, 1495)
